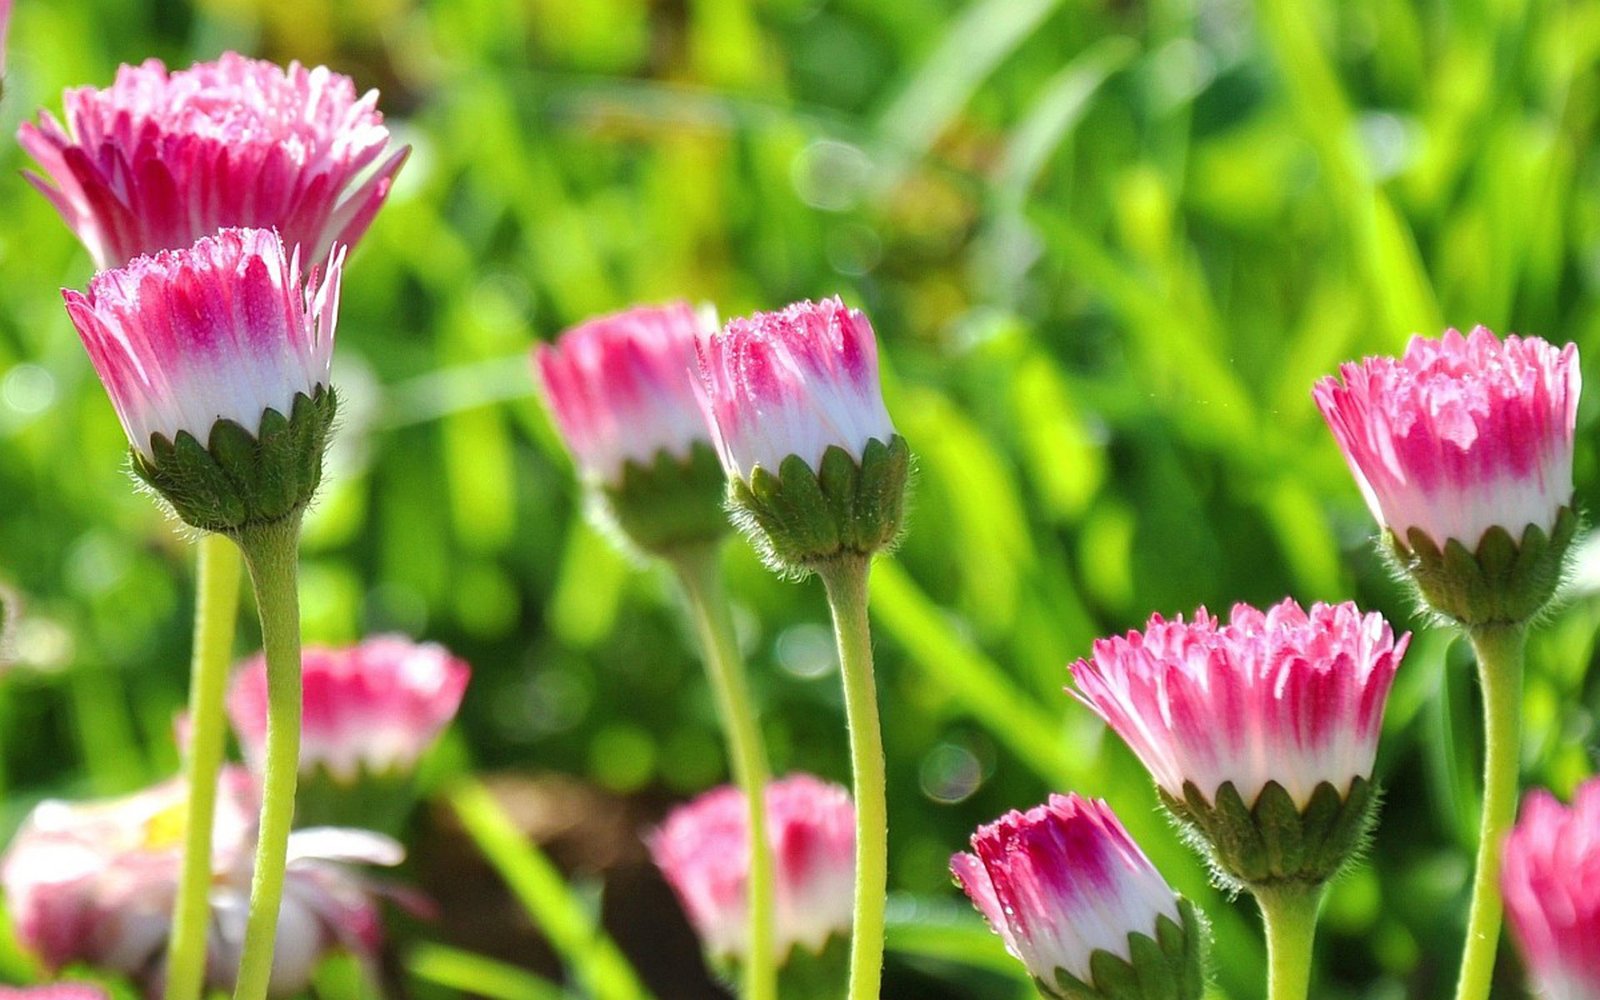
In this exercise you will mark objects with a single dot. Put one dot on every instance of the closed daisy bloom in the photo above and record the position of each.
(224, 330)
(622, 388)
(817, 473)
(703, 850)
(159, 159)
(1459, 434)
(1286, 695)
(373, 708)
(793, 382)
(216, 359)
(1063, 881)
(1551, 881)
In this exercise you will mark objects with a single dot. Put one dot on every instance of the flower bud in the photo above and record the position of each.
(622, 390)
(703, 850)
(158, 160)
(1261, 732)
(1077, 901)
(1551, 881)
(216, 359)
(817, 471)
(1463, 451)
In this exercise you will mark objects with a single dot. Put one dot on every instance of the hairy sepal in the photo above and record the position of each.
(1505, 581)
(1273, 843)
(801, 518)
(1166, 965)
(668, 505)
(238, 480)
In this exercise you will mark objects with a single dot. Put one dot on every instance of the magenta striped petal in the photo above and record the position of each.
(375, 707)
(158, 160)
(793, 382)
(1285, 695)
(221, 330)
(1062, 881)
(703, 851)
(1460, 434)
(1551, 880)
(622, 387)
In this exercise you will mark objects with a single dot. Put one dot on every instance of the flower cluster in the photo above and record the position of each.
(96, 882)
(201, 192)
(159, 159)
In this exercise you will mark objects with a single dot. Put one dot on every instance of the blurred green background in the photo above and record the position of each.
(1107, 247)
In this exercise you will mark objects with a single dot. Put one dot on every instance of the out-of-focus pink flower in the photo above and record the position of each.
(703, 850)
(95, 882)
(1460, 434)
(54, 991)
(223, 330)
(1288, 695)
(1551, 880)
(158, 160)
(375, 707)
(792, 382)
(1062, 881)
(623, 387)
(5, 24)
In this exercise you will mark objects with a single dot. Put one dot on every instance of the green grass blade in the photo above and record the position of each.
(480, 975)
(573, 931)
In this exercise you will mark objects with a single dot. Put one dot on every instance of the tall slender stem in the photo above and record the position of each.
(701, 576)
(1290, 917)
(846, 580)
(1500, 657)
(216, 606)
(272, 554)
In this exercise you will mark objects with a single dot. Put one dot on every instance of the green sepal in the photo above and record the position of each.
(803, 974)
(670, 503)
(801, 518)
(1503, 582)
(239, 480)
(1170, 965)
(1274, 842)
(381, 801)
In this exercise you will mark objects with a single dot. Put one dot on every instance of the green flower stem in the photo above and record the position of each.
(272, 554)
(1290, 916)
(216, 607)
(1500, 658)
(701, 576)
(846, 580)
